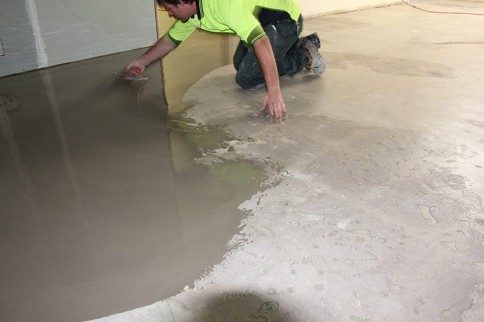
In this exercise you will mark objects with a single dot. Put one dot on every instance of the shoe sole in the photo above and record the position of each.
(318, 65)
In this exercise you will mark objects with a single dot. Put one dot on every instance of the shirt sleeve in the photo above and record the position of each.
(179, 32)
(240, 20)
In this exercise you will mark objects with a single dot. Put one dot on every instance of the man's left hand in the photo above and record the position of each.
(274, 106)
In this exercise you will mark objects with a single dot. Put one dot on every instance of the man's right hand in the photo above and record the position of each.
(135, 68)
(159, 50)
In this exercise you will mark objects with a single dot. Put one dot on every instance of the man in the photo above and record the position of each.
(269, 46)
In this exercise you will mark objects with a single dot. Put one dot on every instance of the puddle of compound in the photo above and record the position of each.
(103, 206)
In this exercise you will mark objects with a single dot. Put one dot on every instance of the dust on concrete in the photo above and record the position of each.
(391, 65)
(356, 202)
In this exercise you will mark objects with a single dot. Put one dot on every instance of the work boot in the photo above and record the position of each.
(314, 60)
(314, 38)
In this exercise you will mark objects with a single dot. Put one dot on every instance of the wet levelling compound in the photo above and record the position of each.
(104, 206)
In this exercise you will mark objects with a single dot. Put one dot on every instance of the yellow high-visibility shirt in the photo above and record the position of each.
(231, 16)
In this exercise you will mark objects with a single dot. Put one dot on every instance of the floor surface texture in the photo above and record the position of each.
(378, 213)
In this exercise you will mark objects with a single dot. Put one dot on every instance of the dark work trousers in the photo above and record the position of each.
(289, 55)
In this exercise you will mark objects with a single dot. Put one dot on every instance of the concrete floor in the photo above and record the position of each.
(378, 213)
(371, 207)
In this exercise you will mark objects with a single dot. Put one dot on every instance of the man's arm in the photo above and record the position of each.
(159, 50)
(273, 101)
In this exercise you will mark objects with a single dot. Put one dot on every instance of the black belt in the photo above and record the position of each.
(271, 17)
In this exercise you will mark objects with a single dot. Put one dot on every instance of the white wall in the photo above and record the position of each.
(17, 37)
(41, 33)
(316, 7)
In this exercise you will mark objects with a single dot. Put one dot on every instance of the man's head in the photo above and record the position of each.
(179, 9)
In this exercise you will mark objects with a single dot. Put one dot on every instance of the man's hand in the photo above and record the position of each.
(159, 50)
(135, 68)
(274, 106)
(273, 103)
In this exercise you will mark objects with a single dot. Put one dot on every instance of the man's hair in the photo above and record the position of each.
(174, 2)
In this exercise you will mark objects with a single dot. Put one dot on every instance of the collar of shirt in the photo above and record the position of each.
(199, 9)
